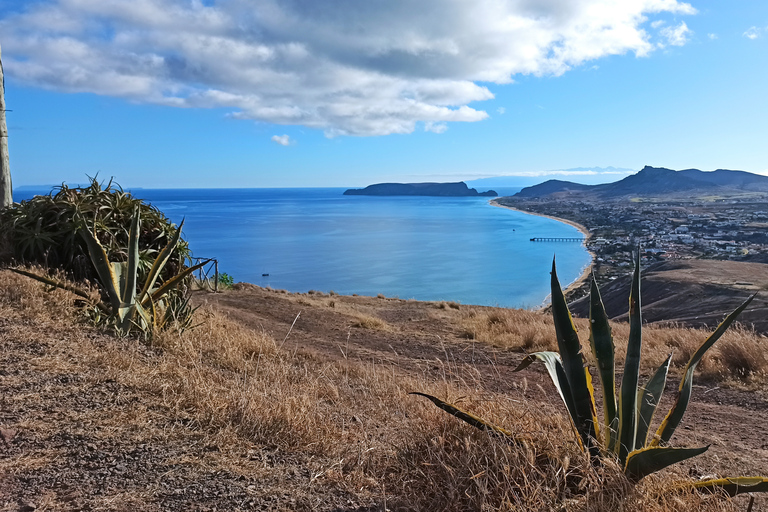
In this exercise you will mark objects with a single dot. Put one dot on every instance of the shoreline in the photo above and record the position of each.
(579, 281)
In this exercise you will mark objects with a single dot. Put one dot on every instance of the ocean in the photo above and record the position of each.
(458, 249)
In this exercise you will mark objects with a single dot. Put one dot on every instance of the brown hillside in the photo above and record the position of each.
(690, 292)
(282, 401)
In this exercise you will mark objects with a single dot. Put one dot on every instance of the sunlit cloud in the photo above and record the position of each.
(676, 36)
(752, 33)
(283, 140)
(712, 36)
(346, 68)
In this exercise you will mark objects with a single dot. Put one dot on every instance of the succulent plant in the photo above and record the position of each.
(623, 433)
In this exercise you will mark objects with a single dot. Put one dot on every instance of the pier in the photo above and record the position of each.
(556, 239)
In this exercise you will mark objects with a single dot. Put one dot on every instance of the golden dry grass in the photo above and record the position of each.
(738, 358)
(353, 423)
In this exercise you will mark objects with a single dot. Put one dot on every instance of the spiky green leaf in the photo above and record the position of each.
(675, 414)
(132, 267)
(573, 363)
(601, 341)
(60, 284)
(160, 262)
(473, 420)
(103, 267)
(171, 283)
(554, 366)
(734, 486)
(629, 381)
(648, 400)
(643, 462)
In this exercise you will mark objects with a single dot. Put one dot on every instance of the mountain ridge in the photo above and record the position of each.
(653, 181)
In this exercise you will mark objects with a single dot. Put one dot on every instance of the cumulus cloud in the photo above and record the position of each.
(712, 36)
(345, 67)
(501, 110)
(752, 33)
(283, 140)
(676, 36)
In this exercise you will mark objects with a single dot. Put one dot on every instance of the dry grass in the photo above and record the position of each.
(371, 322)
(510, 328)
(739, 358)
(353, 424)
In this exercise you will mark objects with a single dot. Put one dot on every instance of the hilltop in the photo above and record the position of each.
(281, 401)
(653, 182)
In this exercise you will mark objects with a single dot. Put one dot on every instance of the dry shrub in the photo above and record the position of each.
(739, 356)
(373, 323)
(510, 328)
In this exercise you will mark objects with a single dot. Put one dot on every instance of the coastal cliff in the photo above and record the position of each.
(459, 189)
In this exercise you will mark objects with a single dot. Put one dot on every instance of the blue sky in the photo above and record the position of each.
(271, 93)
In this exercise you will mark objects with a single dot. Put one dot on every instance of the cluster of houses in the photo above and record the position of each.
(716, 229)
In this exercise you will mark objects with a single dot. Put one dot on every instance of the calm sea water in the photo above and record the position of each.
(427, 248)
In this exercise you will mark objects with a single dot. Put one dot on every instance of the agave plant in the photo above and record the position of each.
(623, 433)
(44, 229)
(128, 305)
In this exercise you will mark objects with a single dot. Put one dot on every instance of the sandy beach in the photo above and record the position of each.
(588, 269)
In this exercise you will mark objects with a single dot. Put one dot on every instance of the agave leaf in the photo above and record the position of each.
(171, 283)
(60, 284)
(125, 314)
(675, 414)
(103, 267)
(628, 391)
(734, 486)
(552, 362)
(643, 462)
(648, 400)
(573, 364)
(473, 420)
(132, 268)
(160, 262)
(601, 341)
(146, 320)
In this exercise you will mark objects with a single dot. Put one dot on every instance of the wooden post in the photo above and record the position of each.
(216, 279)
(6, 190)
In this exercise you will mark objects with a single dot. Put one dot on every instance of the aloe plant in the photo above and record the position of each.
(126, 304)
(623, 432)
(44, 229)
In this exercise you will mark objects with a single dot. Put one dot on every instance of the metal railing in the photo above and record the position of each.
(208, 275)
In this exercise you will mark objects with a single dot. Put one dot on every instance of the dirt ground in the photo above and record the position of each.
(424, 336)
(691, 292)
(76, 435)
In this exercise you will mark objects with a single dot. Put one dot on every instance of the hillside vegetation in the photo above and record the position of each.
(299, 402)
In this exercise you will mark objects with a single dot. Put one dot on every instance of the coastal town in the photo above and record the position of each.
(724, 229)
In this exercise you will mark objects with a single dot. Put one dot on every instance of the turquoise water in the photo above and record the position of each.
(426, 248)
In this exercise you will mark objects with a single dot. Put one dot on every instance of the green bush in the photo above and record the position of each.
(226, 280)
(44, 230)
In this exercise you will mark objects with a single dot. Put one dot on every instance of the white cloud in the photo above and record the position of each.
(501, 110)
(752, 33)
(431, 126)
(283, 140)
(712, 36)
(676, 36)
(347, 67)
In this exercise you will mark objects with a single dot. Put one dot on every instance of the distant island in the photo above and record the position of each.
(459, 189)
